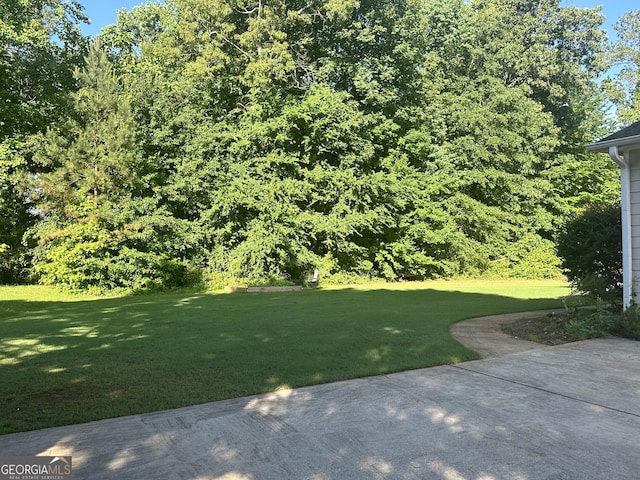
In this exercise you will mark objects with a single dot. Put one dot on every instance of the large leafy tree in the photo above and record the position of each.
(40, 44)
(99, 229)
(403, 139)
(515, 81)
(625, 90)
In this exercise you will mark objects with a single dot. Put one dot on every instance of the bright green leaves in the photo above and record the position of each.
(270, 62)
(97, 233)
(35, 70)
(625, 90)
(119, 247)
(252, 138)
(498, 142)
(303, 185)
(40, 43)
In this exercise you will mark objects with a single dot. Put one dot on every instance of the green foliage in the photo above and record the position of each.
(272, 281)
(214, 280)
(110, 252)
(590, 246)
(627, 323)
(343, 278)
(596, 325)
(14, 217)
(624, 89)
(97, 234)
(530, 257)
(93, 155)
(384, 139)
(41, 45)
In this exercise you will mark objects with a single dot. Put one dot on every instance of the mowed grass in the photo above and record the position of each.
(67, 359)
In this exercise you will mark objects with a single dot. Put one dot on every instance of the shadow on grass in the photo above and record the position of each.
(71, 362)
(444, 423)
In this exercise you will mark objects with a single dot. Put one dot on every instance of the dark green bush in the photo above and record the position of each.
(627, 324)
(590, 247)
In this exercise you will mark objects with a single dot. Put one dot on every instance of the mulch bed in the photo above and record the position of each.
(548, 330)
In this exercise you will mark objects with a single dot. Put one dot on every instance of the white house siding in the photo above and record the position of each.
(633, 157)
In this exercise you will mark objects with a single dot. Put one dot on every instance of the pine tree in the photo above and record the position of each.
(92, 156)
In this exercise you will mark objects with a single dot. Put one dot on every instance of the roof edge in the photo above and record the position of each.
(603, 146)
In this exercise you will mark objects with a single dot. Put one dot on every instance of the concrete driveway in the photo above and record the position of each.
(565, 412)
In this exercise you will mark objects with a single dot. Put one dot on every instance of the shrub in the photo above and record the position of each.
(218, 280)
(92, 255)
(627, 324)
(539, 261)
(347, 278)
(529, 257)
(596, 325)
(590, 247)
(271, 281)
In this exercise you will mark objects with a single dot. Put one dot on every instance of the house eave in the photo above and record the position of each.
(603, 146)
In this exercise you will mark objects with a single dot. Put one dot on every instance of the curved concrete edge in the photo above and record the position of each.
(485, 336)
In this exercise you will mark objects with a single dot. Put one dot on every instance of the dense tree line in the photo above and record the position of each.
(402, 139)
(36, 75)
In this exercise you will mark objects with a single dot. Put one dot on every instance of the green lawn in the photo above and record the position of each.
(66, 359)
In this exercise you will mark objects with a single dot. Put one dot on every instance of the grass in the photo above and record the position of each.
(68, 359)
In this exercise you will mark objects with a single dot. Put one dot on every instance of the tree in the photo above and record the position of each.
(516, 76)
(91, 159)
(399, 139)
(625, 89)
(97, 230)
(41, 44)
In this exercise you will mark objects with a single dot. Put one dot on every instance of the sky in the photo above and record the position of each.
(612, 10)
(103, 12)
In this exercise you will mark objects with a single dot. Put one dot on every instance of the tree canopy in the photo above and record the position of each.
(40, 45)
(625, 55)
(407, 139)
